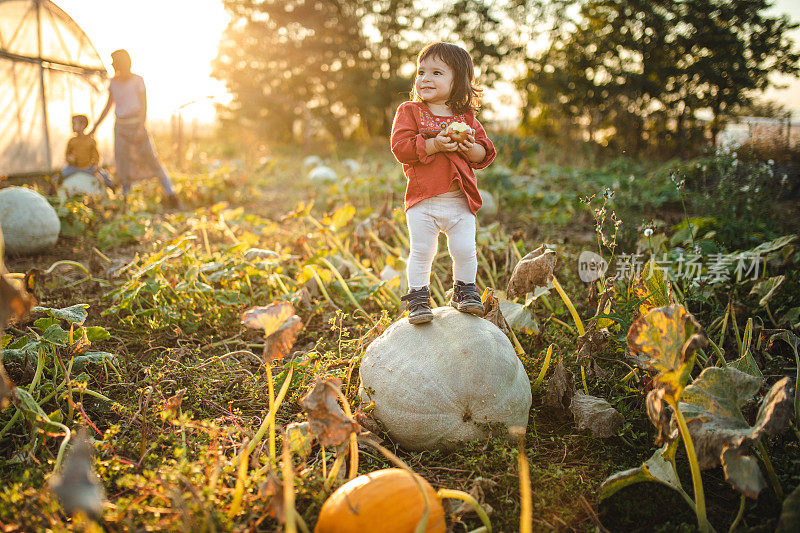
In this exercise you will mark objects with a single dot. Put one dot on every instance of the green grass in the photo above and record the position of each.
(176, 326)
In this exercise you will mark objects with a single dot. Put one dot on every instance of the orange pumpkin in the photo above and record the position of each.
(386, 500)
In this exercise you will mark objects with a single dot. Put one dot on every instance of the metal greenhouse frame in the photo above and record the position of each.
(49, 70)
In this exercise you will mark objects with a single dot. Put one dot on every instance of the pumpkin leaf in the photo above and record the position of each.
(32, 410)
(519, 317)
(790, 516)
(764, 290)
(259, 253)
(660, 468)
(55, 334)
(791, 318)
(77, 486)
(775, 409)
(80, 361)
(533, 270)
(328, 423)
(278, 344)
(721, 435)
(652, 285)
(97, 333)
(748, 365)
(268, 318)
(596, 415)
(560, 389)
(664, 340)
(74, 314)
(771, 246)
(742, 472)
(788, 337)
(793, 341)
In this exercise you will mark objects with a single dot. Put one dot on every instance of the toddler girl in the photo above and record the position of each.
(441, 191)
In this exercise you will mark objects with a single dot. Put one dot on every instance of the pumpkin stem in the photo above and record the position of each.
(337, 465)
(289, 510)
(353, 438)
(525, 503)
(238, 490)
(463, 496)
(543, 371)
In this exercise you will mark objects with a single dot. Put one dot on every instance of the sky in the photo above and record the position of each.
(173, 42)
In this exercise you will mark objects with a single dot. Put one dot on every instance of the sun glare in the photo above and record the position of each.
(172, 44)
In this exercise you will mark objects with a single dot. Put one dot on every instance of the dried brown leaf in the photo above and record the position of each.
(328, 422)
(366, 421)
(172, 404)
(268, 318)
(478, 489)
(493, 313)
(659, 414)
(591, 343)
(278, 344)
(272, 491)
(560, 389)
(533, 270)
(596, 415)
(6, 386)
(14, 301)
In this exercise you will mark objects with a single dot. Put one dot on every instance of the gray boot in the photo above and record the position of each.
(418, 303)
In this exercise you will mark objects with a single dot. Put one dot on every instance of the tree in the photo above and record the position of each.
(634, 72)
(345, 65)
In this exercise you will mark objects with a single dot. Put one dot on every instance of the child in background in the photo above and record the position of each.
(126, 92)
(82, 154)
(441, 190)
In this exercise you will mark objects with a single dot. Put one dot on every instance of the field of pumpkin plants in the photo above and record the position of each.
(214, 368)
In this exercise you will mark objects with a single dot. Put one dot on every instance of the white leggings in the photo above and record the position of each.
(448, 213)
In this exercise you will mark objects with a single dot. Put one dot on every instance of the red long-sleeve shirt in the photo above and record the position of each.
(430, 175)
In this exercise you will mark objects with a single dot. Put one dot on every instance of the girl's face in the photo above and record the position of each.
(434, 81)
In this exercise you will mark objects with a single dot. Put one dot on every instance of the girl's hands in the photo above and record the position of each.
(466, 146)
(443, 143)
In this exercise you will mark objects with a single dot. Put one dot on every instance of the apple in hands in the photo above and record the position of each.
(458, 132)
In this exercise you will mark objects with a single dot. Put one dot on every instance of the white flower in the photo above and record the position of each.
(770, 162)
(745, 188)
(648, 232)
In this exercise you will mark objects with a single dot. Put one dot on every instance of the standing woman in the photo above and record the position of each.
(127, 93)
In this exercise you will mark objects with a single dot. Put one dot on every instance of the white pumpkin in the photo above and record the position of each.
(437, 384)
(29, 222)
(82, 183)
(322, 174)
(489, 207)
(351, 164)
(312, 161)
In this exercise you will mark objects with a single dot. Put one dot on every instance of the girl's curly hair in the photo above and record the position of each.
(465, 95)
